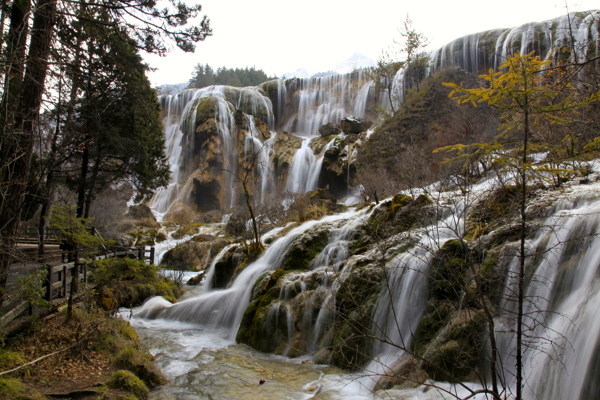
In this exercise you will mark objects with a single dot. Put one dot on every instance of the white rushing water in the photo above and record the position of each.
(562, 301)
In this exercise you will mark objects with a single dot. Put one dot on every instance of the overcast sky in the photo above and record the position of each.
(280, 36)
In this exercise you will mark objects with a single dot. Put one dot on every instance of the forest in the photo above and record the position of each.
(205, 75)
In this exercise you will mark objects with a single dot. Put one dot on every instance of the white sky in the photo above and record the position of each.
(318, 34)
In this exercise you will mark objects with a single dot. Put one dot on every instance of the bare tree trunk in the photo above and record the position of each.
(252, 216)
(521, 277)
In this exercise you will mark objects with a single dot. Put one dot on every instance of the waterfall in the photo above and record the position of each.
(328, 99)
(479, 52)
(299, 107)
(301, 175)
(259, 154)
(172, 108)
(225, 308)
(561, 302)
(562, 297)
(563, 283)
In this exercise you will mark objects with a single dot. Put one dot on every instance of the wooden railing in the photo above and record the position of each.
(31, 235)
(60, 278)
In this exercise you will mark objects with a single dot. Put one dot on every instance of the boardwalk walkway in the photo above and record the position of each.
(57, 285)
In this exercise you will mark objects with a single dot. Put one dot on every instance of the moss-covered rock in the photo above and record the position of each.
(329, 129)
(456, 351)
(226, 266)
(195, 280)
(356, 300)
(122, 282)
(403, 373)
(494, 211)
(435, 316)
(125, 380)
(305, 248)
(449, 268)
(139, 363)
(192, 255)
(256, 329)
(400, 214)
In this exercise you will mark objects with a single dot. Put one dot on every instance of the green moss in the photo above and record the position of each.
(495, 210)
(448, 270)
(195, 280)
(352, 343)
(139, 363)
(356, 299)
(11, 389)
(400, 200)
(128, 283)
(10, 359)
(400, 214)
(456, 351)
(188, 229)
(435, 317)
(125, 380)
(254, 329)
(304, 249)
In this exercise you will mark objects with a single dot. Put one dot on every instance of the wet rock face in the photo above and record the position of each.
(285, 147)
(207, 194)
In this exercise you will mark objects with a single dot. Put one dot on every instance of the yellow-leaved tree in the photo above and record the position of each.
(527, 101)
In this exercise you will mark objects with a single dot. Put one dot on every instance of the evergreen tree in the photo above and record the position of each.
(118, 116)
(24, 79)
(204, 76)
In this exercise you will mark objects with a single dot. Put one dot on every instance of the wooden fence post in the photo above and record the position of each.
(152, 255)
(49, 284)
(64, 280)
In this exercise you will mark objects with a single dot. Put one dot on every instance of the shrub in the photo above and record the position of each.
(125, 282)
(126, 380)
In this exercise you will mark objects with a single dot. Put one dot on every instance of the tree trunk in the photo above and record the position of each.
(522, 239)
(17, 137)
(83, 178)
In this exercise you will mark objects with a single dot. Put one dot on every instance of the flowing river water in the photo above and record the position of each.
(204, 363)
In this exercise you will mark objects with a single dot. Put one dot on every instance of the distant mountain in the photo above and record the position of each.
(171, 88)
(299, 73)
(356, 61)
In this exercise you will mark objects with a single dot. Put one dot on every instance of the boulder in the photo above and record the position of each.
(329, 129)
(353, 125)
(141, 212)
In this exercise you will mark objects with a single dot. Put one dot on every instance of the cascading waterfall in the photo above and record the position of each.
(569, 38)
(561, 301)
(179, 125)
(299, 107)
(563, 296)
(328, 99)
(259, 154)
(319, 101)
(172, 107)
(479, 52)
(225, 308)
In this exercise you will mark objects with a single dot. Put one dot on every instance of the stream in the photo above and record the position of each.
(203, 363)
